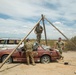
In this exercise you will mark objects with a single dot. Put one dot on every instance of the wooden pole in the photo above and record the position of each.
(60, 32)
(18, 45)
(44, 29)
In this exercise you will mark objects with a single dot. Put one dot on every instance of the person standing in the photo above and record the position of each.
(28, 45)
(38, 32)
(60, 46)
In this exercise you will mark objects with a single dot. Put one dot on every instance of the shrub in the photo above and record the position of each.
(70, 45)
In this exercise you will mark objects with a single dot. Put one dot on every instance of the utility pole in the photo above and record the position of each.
(44, 29)
(19, 44)
(60, 32)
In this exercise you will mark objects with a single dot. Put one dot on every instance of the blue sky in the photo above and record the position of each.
(18, 17)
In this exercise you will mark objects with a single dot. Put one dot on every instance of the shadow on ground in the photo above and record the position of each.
(11, 67)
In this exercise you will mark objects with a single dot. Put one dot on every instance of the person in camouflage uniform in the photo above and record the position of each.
(38, 31)
(29, 51)
(60, 46)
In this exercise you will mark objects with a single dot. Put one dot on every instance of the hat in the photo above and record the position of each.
(27, 39)
(59, 37)
(38, 24)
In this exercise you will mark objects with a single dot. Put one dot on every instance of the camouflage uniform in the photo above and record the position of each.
(29, 54)
(38, 31)
(60, 46)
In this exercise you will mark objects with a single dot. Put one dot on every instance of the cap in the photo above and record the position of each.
(38, 24)
(59, 37)
(27, 39)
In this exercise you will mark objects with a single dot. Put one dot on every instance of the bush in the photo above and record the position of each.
(70, 45)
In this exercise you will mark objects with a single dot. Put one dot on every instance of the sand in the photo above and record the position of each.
(52, 68)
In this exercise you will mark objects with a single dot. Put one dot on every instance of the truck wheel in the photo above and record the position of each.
(8, 61)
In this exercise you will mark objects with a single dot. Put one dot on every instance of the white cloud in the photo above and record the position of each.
(21, 10)
(14, 26)
(17, 27)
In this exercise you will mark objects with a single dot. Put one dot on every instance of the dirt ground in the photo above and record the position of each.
(53, 68)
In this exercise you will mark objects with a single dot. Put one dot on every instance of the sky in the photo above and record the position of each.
(18, 17)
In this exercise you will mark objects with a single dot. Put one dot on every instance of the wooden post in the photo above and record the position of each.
(44, 29)
(60, 32)
(18, 45)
